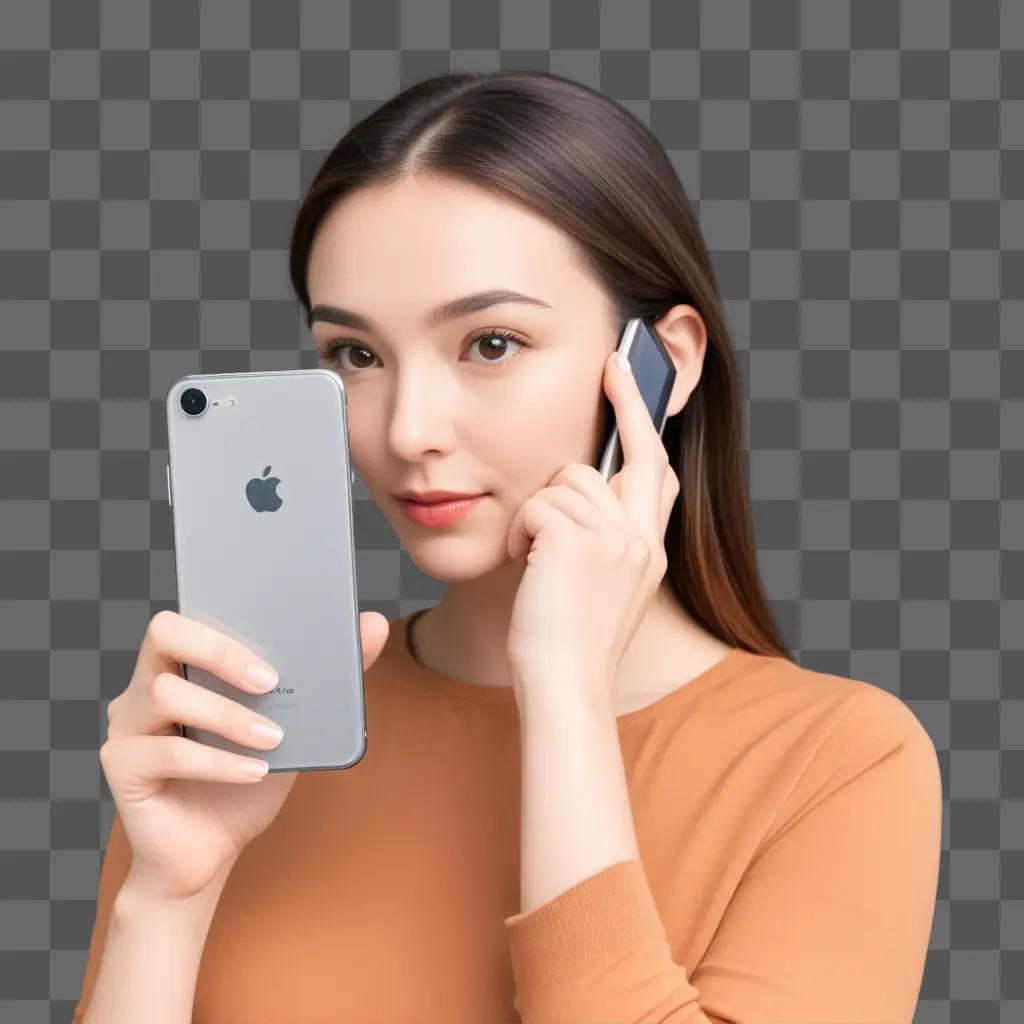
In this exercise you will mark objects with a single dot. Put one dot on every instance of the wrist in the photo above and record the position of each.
(560, 694)
(138, 892)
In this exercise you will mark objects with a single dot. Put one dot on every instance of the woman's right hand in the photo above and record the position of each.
(187, 808)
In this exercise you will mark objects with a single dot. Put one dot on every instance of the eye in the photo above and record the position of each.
(332, 349)
(498, 340)
(503, 338)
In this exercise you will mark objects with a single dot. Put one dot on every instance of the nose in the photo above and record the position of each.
(423, 415)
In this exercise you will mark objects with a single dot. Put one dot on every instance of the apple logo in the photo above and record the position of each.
(262, 494)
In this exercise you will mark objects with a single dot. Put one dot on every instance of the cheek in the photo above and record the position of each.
(568, 416)
(545, 427)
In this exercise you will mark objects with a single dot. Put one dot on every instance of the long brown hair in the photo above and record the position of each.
(590, 167)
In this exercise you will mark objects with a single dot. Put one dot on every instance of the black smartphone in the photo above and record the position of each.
(655, 374)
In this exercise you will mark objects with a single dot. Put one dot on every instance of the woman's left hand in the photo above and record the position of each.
(595, 557)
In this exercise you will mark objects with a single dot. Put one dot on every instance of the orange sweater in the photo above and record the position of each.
(789, 823)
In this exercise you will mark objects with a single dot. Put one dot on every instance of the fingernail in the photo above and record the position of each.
(261, 677)
(271, 734)
(253, 768)
(623, 362)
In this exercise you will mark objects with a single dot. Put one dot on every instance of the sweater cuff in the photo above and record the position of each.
(596, 918)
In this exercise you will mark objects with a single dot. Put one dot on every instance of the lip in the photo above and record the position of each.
(440, 513)
(428, 497)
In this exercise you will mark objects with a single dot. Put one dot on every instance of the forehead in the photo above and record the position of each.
(428, 239)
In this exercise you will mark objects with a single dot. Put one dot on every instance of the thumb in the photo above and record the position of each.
(374, 629)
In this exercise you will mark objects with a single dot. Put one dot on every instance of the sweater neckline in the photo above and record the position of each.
(725, 668)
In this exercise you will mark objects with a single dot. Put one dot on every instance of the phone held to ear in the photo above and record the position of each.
(264, 550)
(655, 375)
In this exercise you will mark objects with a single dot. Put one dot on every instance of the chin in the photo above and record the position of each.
(454, 558)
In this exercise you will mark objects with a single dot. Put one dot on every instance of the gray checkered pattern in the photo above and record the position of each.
(858, 170)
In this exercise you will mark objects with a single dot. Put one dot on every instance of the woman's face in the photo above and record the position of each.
(450, 404)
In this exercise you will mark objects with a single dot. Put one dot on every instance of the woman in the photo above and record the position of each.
(597, 788)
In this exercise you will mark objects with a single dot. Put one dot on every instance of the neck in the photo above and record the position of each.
(464, 637)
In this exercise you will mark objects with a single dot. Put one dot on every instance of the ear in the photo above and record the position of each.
(685, 337)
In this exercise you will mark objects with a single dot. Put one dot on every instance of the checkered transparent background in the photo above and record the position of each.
(858, 169)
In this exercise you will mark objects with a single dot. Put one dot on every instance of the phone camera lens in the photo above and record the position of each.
(193, 401)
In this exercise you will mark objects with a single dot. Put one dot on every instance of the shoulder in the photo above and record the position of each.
(874, 712)
(836, 697)
(862, 725)
(850, 745)
(830, 722)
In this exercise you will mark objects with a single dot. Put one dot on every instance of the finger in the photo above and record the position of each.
(578, 507)
(172, 640)
(643, 453)
(588, 481)
(533, 517)
(172, 700)
(640, 440)
(136, 765)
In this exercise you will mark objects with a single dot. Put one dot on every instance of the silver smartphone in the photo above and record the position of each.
(260, 486)
(655, 375)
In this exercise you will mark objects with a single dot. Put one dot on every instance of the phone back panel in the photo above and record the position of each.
(281, 580)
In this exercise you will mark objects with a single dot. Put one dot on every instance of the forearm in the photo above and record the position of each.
(576, 817)
(151, 959)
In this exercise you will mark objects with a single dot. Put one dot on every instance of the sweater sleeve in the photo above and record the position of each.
(830, 922)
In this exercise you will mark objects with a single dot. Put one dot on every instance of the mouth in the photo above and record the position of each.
(441, 513)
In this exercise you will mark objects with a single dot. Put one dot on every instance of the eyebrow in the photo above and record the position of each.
(438, 315)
